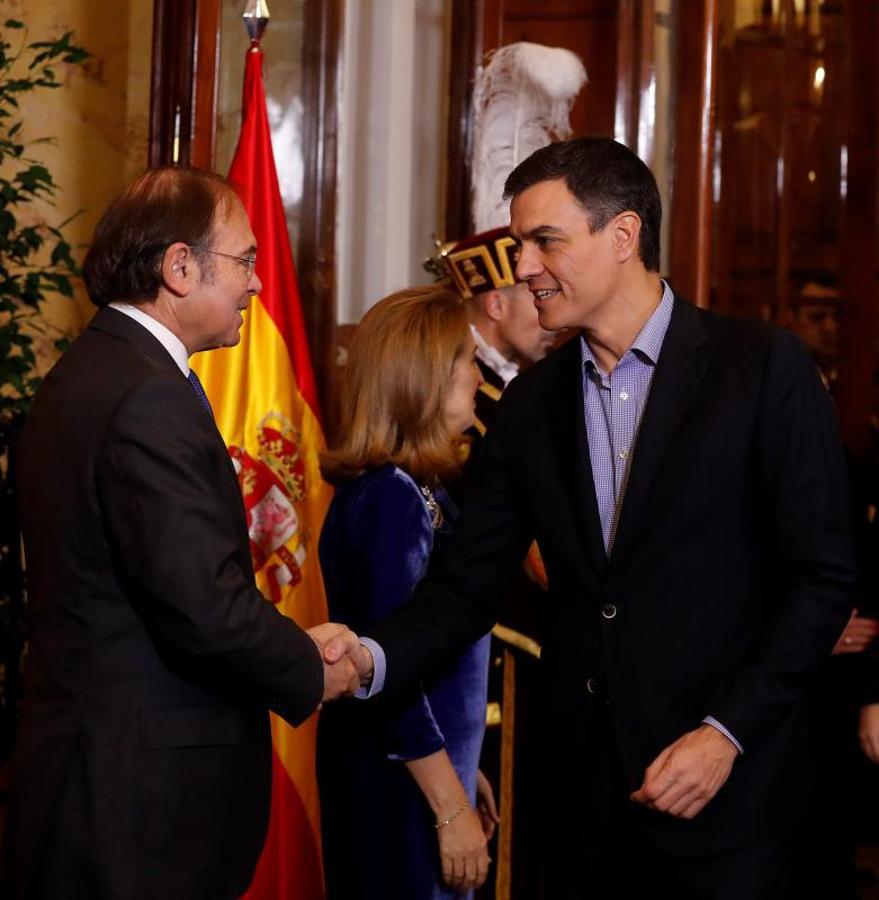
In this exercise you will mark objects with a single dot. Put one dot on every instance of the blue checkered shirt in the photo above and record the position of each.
(613, 406)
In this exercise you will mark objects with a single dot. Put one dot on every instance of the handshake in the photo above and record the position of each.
(347, 663)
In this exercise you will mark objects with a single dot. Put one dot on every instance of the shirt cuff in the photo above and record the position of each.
(378, 670)
(710, 720)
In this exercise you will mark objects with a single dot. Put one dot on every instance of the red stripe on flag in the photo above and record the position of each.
(254, 174)
(290, 861)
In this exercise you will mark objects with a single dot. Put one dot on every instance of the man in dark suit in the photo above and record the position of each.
(143, 761)
(683, 476)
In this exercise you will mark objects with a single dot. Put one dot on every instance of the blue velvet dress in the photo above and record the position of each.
(379, 839)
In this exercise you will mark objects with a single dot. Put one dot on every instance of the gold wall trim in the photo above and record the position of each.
(517, 639)
(503, 877)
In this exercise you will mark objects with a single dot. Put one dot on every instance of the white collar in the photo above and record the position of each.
(163, 335)
(504, 368)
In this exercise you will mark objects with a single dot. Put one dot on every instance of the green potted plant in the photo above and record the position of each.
(35, 262)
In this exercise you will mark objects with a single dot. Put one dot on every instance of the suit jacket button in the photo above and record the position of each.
(609, 611)
(592, 685)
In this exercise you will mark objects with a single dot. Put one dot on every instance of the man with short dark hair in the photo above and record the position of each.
(143, 761)
(813, 316)
(683, 476)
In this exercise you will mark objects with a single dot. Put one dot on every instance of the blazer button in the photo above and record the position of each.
(592, 685)
(609, 611)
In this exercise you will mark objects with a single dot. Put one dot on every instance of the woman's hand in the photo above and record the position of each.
(486, 808)
(463, 851)
(463, 846)
(869, 731)
(858, 634)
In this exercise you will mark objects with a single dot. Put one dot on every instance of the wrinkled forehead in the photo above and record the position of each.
(231, 224)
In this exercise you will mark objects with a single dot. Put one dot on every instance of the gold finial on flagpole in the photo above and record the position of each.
(256, 17)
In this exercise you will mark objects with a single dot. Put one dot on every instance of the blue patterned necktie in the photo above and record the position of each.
(199, 392)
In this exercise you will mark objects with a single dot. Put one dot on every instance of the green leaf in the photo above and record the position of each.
(18, 85)
(60, 283)
(27, 277)
(35, 179)
(61, 253)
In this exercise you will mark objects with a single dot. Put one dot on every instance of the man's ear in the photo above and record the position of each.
(625, 235)
(495, 305)
(179, 269)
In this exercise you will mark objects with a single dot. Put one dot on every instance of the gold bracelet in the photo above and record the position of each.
(441, 823)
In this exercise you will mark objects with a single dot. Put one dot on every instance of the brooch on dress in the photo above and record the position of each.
(435, 510)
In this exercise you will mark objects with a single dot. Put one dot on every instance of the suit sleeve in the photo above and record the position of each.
(178, 544)
(803, 481)
(458, 602)
(394, 536)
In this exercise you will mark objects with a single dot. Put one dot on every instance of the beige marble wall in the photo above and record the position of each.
(100, 119)
(391, 147)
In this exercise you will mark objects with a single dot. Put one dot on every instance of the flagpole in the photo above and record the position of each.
(264, 396)
(256, 18)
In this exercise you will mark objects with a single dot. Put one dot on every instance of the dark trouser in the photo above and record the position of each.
(842, 800)
(627, 865)
(605, 851)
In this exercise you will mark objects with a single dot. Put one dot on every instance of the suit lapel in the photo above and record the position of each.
(111, 321)
(678, 373)
(568, 426)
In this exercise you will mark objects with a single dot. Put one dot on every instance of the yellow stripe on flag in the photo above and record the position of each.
(274, 440)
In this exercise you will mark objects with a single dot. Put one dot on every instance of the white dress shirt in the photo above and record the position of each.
(162, 334)
(504, 368)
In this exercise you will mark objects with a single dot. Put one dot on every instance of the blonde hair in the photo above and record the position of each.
(399, 369)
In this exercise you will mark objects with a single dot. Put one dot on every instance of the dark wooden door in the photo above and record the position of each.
(187, 41)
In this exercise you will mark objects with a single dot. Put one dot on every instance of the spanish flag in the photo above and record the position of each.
(265, 404)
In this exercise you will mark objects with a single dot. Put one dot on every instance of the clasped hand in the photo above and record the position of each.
(684, 778)
(347, 663)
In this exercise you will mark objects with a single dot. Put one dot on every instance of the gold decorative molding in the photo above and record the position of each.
(517, 639)
(504, 875)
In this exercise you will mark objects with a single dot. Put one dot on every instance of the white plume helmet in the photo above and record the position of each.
(522, 101)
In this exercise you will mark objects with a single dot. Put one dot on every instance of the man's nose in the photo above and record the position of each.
(527, 264)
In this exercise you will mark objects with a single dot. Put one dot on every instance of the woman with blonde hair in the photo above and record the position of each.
(405, 813)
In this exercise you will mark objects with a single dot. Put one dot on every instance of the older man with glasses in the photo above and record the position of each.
(143, 761)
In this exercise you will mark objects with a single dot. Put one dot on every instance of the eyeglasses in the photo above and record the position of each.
(249, 262)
